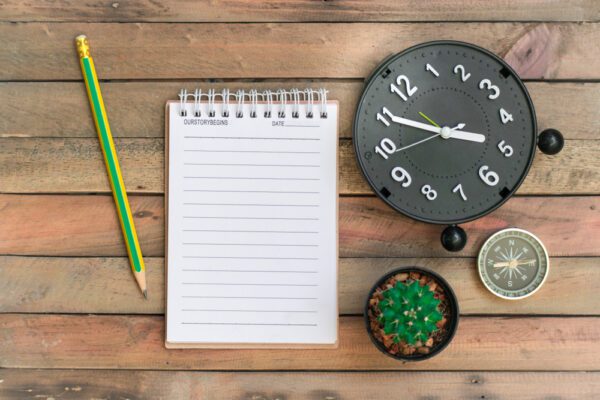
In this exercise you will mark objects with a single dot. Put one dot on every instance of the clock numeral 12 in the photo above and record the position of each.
(410, 90)
(458, 188)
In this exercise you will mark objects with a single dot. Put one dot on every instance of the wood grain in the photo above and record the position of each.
(53, 165)
(300, 10)
(130, 342)
(86, 225)
(155, 385)
(65, 111)
(44, 51)
(104, 285)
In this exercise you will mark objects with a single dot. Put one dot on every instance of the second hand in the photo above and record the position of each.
(419, 142)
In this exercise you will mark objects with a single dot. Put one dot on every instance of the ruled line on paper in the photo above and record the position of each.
(251, 205)
(263, 218)
(250, 284)
(249, 244)
(250, 191)
(250, 297)
(255, 258)
(251, 178)
(250, 270)
(250, 138)
(252, 151)
(239, 231)
(249, 311)
(242, 323)
(255, 165)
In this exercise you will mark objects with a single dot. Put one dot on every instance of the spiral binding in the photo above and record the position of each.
(272, 100)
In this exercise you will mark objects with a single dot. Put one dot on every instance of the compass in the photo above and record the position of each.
(513, 264)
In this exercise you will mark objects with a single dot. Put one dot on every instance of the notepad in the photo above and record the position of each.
(251, 202)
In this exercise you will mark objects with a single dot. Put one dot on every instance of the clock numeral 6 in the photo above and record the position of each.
(505, 116)
(490, 178)
(505, 149)
(386, 146)
(429, 192)
(400, 175)
(410, 90)
(463, 74)
(487, 84)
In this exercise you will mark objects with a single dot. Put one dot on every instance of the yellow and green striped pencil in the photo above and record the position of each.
(112, 163)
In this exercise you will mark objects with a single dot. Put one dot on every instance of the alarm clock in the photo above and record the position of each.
(513, 264)
(445, 132)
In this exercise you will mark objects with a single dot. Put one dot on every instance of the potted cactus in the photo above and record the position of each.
(411, 314)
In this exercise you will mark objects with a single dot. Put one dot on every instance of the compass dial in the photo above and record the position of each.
(513, 264)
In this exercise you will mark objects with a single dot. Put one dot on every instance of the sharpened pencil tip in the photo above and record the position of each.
(145, 292)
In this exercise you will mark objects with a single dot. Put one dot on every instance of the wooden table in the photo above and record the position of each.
(72, 323)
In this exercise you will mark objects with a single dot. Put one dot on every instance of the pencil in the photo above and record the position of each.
(112, 163)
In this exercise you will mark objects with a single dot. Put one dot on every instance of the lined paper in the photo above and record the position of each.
(252, 228)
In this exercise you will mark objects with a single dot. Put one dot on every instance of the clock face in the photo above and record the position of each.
(513, 264)
(445, 132)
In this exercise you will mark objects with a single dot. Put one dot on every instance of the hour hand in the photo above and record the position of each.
(471, 137)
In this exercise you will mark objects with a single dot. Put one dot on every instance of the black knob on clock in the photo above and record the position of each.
(454, 238)
(551, 141)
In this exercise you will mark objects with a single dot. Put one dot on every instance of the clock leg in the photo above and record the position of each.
(454, 238)
(550, 141)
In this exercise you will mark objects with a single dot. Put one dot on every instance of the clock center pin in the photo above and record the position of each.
(446, 132)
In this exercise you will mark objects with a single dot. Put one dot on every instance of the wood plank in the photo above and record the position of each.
(65, 111)
(104, 285)
(59, 225)
(154, 385)
(300, 10)
(53, 165)
(76, 165)
(45, 51)
(134, 342)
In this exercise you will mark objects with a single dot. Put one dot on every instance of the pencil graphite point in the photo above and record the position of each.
(145, 294)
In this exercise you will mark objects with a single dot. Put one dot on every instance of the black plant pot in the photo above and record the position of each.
(452, 324)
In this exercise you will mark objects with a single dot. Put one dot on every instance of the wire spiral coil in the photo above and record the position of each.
(274, 102)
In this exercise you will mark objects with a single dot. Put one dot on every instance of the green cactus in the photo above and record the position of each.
(409, 312)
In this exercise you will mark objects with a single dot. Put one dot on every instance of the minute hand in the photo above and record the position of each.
(454, 134)
(415, 124)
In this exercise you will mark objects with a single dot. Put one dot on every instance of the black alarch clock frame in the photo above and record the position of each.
(377, 170)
